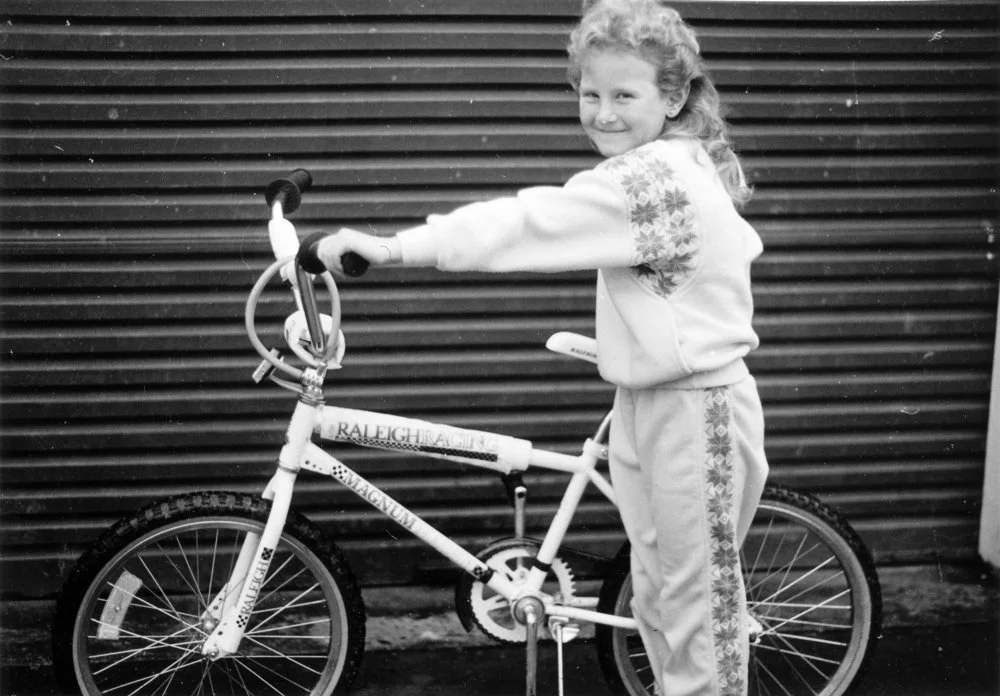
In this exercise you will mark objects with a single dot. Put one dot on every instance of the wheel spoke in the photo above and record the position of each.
(291, 658)
(787, 567)
(175, 666)
(786, 656)
(784, 588)
(211, 683)
(811, 588)
(288, 604)
(760, 550)
(153, 642)
(165, 686)
(756, 675)
(271, 632)
(273, 574)
(178, 571)
(242, 664)
(819, 624)
(194, 575)
(233, 557)
(226, 664)
(797, 653)
(774, 556)
(776, 680)
(791, 563)
(813, 607)
(297, 605)
(163, 594)
(811, 661)
(808, 639)
(793, 605)
(211, 571)
(142, 602)
(136, 651)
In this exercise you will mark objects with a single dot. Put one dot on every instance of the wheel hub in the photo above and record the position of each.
(755, 628)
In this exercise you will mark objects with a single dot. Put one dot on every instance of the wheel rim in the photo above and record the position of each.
(809, 604)
(148, 639)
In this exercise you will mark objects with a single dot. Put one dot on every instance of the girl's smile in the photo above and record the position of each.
(621, 105)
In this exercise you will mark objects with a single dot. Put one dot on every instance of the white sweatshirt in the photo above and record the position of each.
(674, 307)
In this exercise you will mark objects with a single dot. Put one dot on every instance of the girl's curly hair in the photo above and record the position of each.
(657, 34)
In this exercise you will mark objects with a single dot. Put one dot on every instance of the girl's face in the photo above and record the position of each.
(621, 106)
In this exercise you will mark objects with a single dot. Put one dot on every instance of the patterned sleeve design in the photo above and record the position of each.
(661, 220)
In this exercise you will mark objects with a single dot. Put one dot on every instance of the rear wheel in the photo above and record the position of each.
(132, 617)
(813, 599)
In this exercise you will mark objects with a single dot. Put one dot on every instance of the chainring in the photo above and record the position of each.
(492, 612)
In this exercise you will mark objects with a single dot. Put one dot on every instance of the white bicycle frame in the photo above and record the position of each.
(234, 603)
(230, 609)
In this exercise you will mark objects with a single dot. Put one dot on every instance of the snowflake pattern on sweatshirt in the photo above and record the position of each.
(725, 573)
(660, 218)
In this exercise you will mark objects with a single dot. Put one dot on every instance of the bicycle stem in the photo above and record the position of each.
(308, 297)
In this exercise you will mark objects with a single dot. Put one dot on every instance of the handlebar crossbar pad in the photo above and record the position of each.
(288, 191)
(307, 256)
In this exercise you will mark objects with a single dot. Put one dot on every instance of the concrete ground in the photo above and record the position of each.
(940, 637)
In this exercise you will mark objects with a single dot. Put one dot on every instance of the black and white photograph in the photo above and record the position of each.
(499, 347)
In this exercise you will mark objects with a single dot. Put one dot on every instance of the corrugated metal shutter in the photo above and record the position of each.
(138, 137)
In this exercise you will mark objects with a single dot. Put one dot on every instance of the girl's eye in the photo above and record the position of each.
(622, 96)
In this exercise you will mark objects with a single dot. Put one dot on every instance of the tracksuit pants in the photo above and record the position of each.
(688, 468)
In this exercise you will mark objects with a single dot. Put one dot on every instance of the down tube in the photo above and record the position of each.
(318, 460)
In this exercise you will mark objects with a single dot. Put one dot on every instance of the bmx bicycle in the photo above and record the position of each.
(217, 592)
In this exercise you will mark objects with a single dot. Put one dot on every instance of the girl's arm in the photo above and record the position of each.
(582, 225)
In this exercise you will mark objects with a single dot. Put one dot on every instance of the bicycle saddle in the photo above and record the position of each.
(574, 345)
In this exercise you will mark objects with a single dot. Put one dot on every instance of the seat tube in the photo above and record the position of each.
(560, 523)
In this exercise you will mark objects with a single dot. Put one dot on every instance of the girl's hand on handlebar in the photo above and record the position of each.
(378, 251)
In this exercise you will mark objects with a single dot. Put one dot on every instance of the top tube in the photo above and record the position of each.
(384, 431)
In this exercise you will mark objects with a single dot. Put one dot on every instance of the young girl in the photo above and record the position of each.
(658, 220)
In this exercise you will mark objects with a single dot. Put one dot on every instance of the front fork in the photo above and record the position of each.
(229, 611)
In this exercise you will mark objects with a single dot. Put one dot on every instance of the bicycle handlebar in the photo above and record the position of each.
(298, 263)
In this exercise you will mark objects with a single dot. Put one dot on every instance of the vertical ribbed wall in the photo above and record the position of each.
(138, 137)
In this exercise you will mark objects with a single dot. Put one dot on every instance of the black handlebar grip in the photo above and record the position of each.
(307, 256)
(288, 191)
(355, 265)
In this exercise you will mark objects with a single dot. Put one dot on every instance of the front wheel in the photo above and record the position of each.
(133, 615)
(813, 599)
